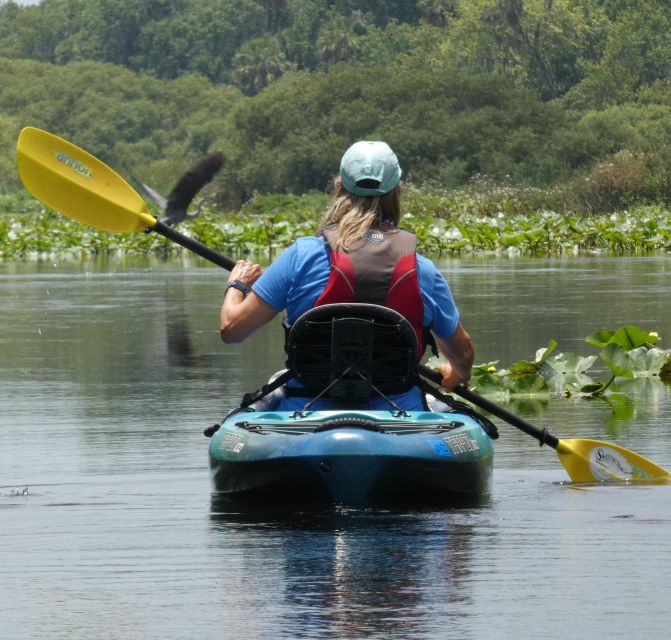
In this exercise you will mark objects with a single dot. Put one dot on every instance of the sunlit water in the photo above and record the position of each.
(108, 528)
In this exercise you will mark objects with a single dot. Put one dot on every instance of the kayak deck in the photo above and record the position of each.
(350, 457)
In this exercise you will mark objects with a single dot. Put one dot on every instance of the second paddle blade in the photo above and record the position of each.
(596, 461)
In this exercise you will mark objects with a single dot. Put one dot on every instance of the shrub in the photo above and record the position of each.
(619, 182)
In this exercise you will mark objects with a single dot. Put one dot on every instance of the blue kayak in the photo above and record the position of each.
(350, 457)
(347, 357)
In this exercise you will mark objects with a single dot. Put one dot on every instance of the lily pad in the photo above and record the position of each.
(627, 337)
(487, 383)
(570, 363)
(485, 367)
(618, 360)
(527, 367)
(647, 362)
(543, 354)
(528, 385)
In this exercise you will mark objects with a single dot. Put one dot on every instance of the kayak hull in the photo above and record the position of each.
(350, 457)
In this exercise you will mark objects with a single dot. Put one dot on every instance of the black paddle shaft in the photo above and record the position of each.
(192, 245)
(542, 435)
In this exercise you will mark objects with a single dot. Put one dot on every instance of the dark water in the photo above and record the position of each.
(108, 528)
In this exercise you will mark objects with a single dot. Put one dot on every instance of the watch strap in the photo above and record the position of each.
(239, 285)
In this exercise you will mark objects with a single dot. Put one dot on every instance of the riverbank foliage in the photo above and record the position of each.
(455, 224)
(565, 104)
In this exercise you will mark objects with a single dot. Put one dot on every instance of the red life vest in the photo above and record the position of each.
(381, 270)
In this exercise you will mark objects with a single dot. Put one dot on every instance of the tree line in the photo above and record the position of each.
(526, 92)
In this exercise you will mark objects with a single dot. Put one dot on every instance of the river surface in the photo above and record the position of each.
(109, 529)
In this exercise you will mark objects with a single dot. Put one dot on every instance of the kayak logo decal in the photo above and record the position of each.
(78, 167)
(439, 447)
(608, 464)
(232, 442)
(461, 443)
(454, 445)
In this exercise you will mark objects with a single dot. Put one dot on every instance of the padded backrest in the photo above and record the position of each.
(352, 349)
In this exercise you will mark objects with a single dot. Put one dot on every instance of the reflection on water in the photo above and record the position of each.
(507, 569)
(110, 372)
(360, 572)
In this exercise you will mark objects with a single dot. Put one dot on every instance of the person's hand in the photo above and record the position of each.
(245, 271)
(451, 377)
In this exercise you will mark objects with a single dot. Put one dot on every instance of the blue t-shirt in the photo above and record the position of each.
(297, 278)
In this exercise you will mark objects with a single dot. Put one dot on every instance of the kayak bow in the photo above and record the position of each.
(350, 457)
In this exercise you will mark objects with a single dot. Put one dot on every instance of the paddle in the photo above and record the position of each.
(584, 460)
(77, 184)
(72, 181)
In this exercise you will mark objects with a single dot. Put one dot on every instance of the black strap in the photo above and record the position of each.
(429, 340)
(250, 398)
(460, 407)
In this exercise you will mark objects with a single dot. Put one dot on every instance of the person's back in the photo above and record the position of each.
(358, 255)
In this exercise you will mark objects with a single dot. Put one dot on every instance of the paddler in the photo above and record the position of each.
(359, 254)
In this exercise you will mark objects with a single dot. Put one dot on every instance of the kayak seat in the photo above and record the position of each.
(352, 351)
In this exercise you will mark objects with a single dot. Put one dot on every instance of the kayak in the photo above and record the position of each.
(350, 457)
(344, 451)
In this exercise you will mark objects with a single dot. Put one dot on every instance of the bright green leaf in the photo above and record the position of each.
(543, 354)
(594, 389)
(485, 367)
(529, 385)
(488, 383)
(632, 337)
(617, 360)
(599, 338)
(522, 368)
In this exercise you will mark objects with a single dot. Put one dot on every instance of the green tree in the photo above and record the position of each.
(109, 30)
(276, 14)
(380, 13)
(637, 53)
(438, 12)
(298, 38)
(9, 132)
(258, 63)
(541, 43)
(401, 43)
(289, 137)
(36, 31)
(139, 125)
(337, 41)
(204, 39)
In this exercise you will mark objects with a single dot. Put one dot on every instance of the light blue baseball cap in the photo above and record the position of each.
(369, 168)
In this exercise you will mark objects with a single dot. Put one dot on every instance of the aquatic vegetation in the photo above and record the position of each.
(627, 353)
(547, 233)
(459, 223)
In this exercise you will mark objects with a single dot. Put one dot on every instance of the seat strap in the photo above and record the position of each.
(460, 407)
(251, 397)
(429, 341)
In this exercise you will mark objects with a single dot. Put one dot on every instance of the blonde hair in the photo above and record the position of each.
(356, 215)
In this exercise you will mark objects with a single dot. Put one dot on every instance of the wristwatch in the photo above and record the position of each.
(239, 285)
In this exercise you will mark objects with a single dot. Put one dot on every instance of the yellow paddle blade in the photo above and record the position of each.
(72, 181)
(595, 461)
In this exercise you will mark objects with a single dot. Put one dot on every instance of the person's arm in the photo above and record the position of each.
(458, 349)
(242, 315)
